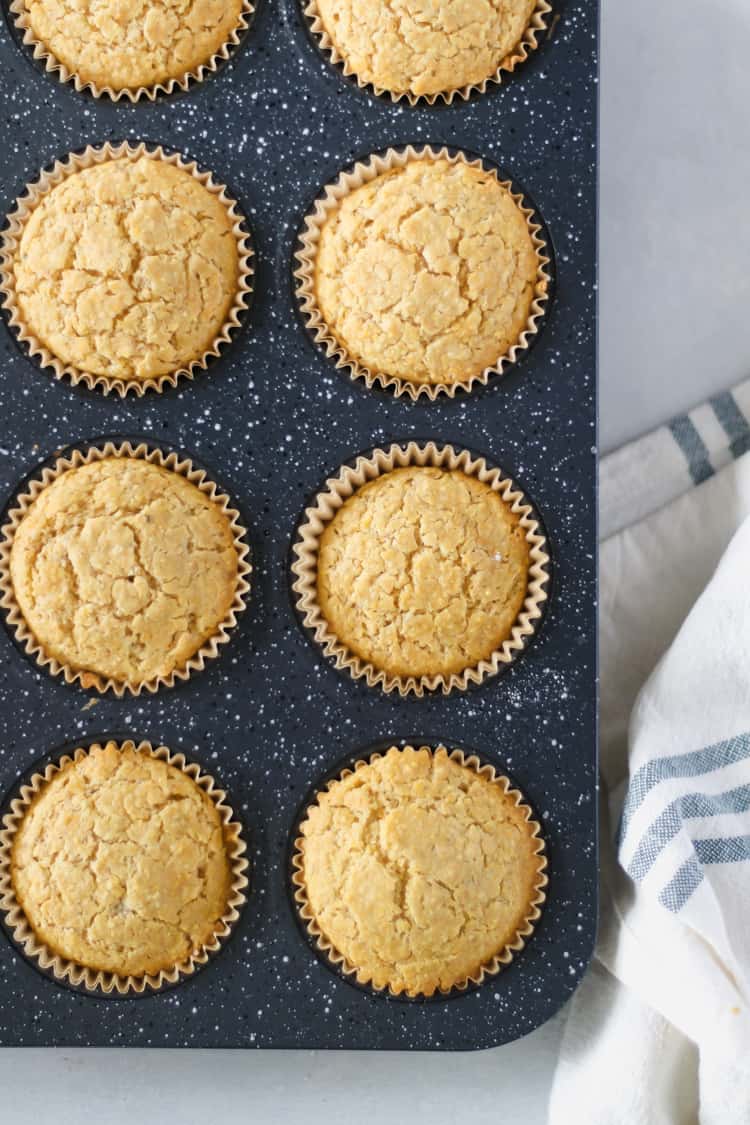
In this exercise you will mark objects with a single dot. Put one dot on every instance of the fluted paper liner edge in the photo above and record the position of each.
(529, 41)
(96, 980)
(331, 497)
(10, 239)
(165, 87)
(21, 504)
(488, 968)
(364, 171)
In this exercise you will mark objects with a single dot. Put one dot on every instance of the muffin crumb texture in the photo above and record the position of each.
(120, 863)
(127, 269)
(427, 273)
(423, 571)
(425, 47)
(123, 569)
(418, 871)
(125, 45)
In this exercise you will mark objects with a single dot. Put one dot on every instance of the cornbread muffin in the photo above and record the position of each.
(423, 47)
(124, 46)
(123, 569)
(418, 871)
(127, 269)
(427, 272)
(120, 863)
(423, 571)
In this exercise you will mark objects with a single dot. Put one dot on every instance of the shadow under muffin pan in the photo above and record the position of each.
(269, 420)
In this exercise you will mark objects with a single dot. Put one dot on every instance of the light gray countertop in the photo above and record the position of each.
(674, 229)
(675, 327)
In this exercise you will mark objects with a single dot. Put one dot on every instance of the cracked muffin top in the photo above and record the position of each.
(418, 870)
(127, 269)
(120, 863)
(124, 45)
(123, 569)
(427, 273)
(424, 47)
(423, 571)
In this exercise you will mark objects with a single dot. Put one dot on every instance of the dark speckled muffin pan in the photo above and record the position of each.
(270, 419)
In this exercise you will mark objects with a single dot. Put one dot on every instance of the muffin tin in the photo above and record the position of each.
(270, 419)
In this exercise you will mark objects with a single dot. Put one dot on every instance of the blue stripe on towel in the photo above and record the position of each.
(679, 889)
(668, 823)
(733, 849)
(693, 764)
(733, 421)
(691, 444)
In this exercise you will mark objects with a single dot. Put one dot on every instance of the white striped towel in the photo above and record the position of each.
(645, 475)
(659, 1032)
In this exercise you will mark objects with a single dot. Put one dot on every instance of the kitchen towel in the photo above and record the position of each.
(659, 1031)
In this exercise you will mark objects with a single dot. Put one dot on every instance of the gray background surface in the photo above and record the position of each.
(674, 328)
(674, 233)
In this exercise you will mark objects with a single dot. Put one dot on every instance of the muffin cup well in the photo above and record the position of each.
(338, 489)
(44, 58)
(529, 42)
(94, 980)
(339, 963)
(21, 503)
(363, 172)
(10, 243)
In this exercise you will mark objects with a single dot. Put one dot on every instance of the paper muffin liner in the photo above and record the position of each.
(96, 980)
(10, 242)
(490, 968)
(326, 504)
(528, 43)
(363, 172)
(20, 505)
(52, 65)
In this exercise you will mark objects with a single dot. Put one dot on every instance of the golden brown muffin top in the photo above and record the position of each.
(123, 569)
(427, 272)
(127, 269)
(423, 571)
(418, 870)
(125, 44)
(425, 46)
(120, 863)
